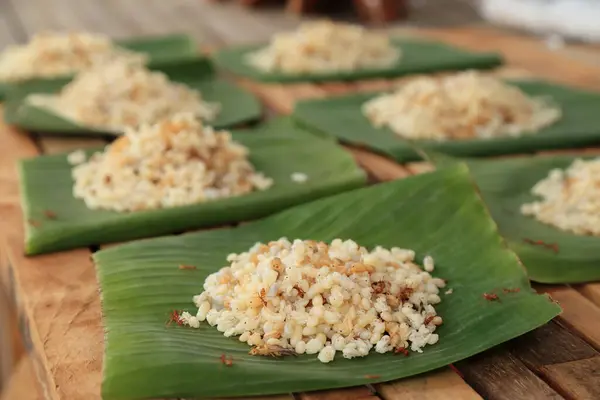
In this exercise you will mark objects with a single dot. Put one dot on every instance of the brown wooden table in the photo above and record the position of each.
(55, 296)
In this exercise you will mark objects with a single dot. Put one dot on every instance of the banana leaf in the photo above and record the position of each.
(160, 49)
(439, 214)
(342, 118)
(418, 56)
(505, 185)
(278, 149)
(237, 105)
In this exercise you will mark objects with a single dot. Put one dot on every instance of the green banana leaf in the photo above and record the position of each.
(418, 56)
(342, 118)
(505, 185)
(278, 149)
(438, 214)
(161, 50)
(238, 106)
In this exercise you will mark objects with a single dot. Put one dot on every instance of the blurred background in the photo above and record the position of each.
(569, 26)
(238, 21)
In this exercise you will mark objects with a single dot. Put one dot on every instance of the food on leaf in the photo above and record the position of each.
(54, 54)
(465, 105)
(121, 95)
(325, 46)
(175, 162)
(311, 297)
(569, 198)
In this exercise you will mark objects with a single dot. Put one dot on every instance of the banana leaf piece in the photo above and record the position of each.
(438, 214)
(237, 105)
(418, 56)
(160, 49)
(278, 149)
(505, 185)
(342, 118)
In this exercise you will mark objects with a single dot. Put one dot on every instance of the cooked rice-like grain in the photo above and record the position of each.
(54, 54)
(119, 95)
(311, 297)
(76, 157)
(465, 105)
(299, 177)
(325, 46)
(175, 162)
(570, 198)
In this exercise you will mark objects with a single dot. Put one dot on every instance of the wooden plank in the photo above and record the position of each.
(591, 291)
(249, 27)
(56, 295)
(337, 88)
(274, 397)
(55, 145)
(358, 392)
(579, 313)
(498, 375)
(375, 85)
(58, 300)
(436, 385)
(522, 51)
(550, 344)
(106, 17)
(381, 168)
(14, 146)
(576, 379)
(11, 30)
(23, 384)
(421, 167)
(11, 348)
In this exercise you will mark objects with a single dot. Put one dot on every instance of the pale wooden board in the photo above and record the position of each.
(578, 379)
(524, 52)
(591, 291)
(578, 312)
(54, 145)
(206, 22)
(9, 343)
(23, 384)
(436, 385)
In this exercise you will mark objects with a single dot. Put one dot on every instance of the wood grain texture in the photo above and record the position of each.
(59, 301)
(56, 295)
(550, 344)
(576, 379)
(358, 392)
(579, 313)
(498, 375)
(436, 385)
(23, 384)
(591, 291)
